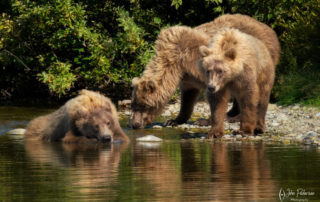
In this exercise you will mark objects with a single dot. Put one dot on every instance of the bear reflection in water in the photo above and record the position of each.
(187, 170)
(90, 167)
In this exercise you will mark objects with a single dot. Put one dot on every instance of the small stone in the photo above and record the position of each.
(128, 113)
(157, 126)
(300, 137)
(295, 107)
(226, 137)
(318, 115)
(184, 126)
(307, 141)
(275, 124)
(282, 117)
(311, 134)
(272, 107)
(238, 137)
(17, 131)
(149, 138)
(286, 141)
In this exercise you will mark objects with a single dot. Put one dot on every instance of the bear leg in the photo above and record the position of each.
(218, 105)
(248, 105)
(188, 99)
(262, 110)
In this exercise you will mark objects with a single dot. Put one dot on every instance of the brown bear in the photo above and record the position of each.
(176, 62)
(89, 117)
(237, 64)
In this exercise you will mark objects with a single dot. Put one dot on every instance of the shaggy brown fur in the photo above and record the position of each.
(239, 64)
(176, 62)
(89, 117)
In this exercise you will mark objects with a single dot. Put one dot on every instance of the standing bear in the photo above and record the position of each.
(237, 64)
(89, 117)
(176, 64)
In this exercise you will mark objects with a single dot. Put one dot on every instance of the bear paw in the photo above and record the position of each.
(215, 134)
(172, 122)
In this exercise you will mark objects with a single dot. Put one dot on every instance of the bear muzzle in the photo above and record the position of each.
(105, 138)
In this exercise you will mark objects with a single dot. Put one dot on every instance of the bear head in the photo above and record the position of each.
(144, 103)
(98, 124)
(220, 61)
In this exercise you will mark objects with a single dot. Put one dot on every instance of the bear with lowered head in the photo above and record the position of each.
(89, 117)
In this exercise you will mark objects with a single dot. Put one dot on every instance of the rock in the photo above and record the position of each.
(128, 113)
(272, 107)
(295, 107)
(299, 137)
(17, 131)
(318, 115)
(149, 138)
(227, 137)
(238, 137)
(282, 117)
(307, 141)
(274, 124)
(157, 127)
(184, 126)
(311, 134)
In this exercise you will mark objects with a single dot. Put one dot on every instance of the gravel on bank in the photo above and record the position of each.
(285, 124)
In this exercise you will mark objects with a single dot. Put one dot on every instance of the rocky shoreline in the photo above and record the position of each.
(284, 124)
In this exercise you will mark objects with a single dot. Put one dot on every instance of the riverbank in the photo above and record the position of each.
(285, 124)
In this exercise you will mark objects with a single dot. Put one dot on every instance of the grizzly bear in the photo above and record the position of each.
(89, 117)
(237, 64)
(176, 63)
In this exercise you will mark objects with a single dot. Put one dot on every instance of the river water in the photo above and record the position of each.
(174, 170)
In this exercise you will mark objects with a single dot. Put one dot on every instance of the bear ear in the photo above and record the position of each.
(149, 86)
(107, 106)
(204, 51)
(134, 81)
(78, 114)
(230, 54)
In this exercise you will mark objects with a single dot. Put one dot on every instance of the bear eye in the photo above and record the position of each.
(208, 72)
(219, 71)
(108, 123)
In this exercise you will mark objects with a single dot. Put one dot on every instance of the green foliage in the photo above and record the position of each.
(59, 44)
(56, 47)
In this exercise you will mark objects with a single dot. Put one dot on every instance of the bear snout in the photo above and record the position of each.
(211, 88)
(136, 120)
(106, 138)
(136, 125)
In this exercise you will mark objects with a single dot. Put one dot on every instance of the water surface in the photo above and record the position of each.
(174, 170)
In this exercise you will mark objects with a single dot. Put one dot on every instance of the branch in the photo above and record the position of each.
(10, 53)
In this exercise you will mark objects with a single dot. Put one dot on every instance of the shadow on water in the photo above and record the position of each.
(173, 170)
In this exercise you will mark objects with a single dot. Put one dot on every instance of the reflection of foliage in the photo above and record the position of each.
(103, 43)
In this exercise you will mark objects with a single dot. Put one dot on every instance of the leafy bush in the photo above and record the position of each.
(57, 43)
(56, 47)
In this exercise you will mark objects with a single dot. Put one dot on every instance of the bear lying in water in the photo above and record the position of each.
(89, 117)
